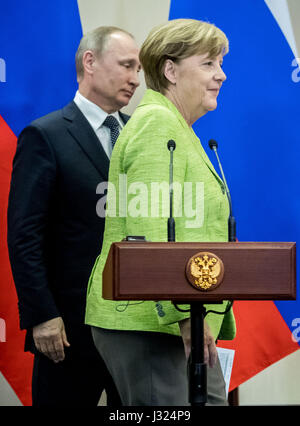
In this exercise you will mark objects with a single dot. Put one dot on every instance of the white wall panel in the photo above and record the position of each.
(282, 12)
(136, 16)
(278, 384)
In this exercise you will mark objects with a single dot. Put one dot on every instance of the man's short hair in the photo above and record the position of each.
(96, 41)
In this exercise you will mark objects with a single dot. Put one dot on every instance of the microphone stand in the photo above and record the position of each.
(197, 374)
(171, 221)
(231, 220)
(197, 369)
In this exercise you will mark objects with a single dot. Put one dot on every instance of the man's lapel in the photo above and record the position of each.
(124, 117)
(86, 138)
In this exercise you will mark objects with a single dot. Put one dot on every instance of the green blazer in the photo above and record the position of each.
(138, 204)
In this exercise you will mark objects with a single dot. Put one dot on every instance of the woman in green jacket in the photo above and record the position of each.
(144, 344)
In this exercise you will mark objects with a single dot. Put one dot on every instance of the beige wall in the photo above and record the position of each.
(278, 384)
(294, 11)
(136, 16)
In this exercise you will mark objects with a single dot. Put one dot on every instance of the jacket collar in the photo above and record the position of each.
(153, 97)
(84, 135)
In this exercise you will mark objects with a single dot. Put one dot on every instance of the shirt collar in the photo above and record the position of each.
(92, 112)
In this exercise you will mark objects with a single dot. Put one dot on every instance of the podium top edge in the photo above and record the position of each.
(237, 244)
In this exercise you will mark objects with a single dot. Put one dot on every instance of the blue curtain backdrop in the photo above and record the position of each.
(38, 43)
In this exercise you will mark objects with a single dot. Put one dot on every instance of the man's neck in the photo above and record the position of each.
(92, 97)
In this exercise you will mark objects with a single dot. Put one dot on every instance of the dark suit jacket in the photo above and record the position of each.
(54, 233)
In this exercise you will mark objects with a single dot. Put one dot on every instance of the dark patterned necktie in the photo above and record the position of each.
(112, 123)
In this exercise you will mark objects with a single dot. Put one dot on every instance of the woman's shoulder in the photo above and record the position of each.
(153, 115)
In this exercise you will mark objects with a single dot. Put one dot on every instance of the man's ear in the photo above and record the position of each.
(88, 60)
(170, 71)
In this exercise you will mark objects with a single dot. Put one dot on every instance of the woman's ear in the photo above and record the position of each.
(170, 71)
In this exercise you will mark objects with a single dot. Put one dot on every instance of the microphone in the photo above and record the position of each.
(171, 221)
(231, 220)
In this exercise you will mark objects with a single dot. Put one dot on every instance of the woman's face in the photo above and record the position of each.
(198, 80)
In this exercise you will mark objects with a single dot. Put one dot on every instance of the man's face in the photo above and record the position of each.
(114, 75)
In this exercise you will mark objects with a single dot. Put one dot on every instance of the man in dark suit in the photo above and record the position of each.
(54, 232)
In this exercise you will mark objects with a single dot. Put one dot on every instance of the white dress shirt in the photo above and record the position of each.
(96, 116)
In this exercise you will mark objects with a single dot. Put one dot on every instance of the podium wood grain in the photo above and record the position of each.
(156, 271)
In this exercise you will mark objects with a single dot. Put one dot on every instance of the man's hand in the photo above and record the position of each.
(210, 350)
(50, 339)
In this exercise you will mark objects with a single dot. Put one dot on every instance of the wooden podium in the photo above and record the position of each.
(199, 273)
(157, 271)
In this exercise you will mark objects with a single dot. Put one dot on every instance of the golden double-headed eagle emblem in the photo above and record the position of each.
(205, 271)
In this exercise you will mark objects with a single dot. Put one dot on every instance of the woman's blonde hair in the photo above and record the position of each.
(176, 40)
